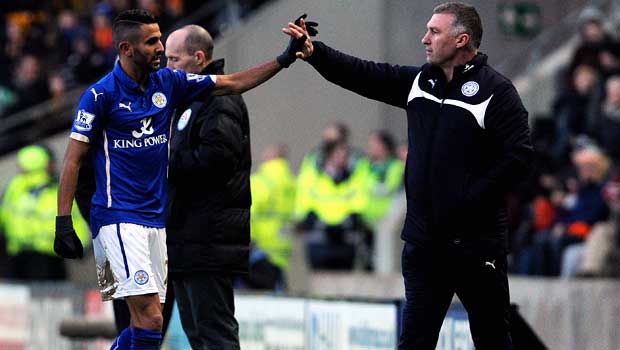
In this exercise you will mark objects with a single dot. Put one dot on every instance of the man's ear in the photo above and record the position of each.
(200, 57)
(125, 49)
(462, 40)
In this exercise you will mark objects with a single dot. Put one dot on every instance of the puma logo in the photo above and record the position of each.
(146, 128)
(95, 93)
(490, 263)
(122, 105)
(468, 67)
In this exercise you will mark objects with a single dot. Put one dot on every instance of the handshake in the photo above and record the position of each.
(296, 45)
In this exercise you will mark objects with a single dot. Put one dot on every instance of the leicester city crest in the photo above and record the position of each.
(184, 119)
(141, 277)
(470, 88)
(159, 100)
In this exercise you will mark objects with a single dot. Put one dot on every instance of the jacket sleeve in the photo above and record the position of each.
(217, 151)
(378, 81)
(507, 125)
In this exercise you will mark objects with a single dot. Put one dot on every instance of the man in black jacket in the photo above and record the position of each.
(468, 145)
(209, 207)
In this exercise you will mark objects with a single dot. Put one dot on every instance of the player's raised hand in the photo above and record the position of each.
(289, 55)
(66, 242)
(302, 28)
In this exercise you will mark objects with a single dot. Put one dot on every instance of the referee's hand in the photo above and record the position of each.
(66, 242)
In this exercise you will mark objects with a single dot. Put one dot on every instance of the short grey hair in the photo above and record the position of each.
(467, 20)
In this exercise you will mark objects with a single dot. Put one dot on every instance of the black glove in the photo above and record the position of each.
(310, 26)
(296, 44)
(288, 56)
(66, 243)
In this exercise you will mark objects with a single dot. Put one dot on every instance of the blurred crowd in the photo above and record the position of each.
(566, 224)
(49, 47)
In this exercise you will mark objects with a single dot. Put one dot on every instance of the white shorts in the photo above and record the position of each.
(131, 260)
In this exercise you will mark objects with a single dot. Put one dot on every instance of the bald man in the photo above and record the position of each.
(209, 208)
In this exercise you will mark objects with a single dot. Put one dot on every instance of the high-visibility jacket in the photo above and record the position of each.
(28, 214)
(384, 180)
(332, 202)
(310, 167)
(273, 199)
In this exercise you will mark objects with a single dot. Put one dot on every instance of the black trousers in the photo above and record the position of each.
(207, 309)
(432, 277)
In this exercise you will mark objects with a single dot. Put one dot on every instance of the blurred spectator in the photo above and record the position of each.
(600, 254)
(70, 30)
(119, 5)
(102, 31)
(174, 8)
(593, 39)
(29, 84)
(85, 64)
(610, 59)
(334, 232)
(578, 210)
(7, 99)
(273, 197)
(103, 8)
(57, 87)
(164, 18)
(27, 218)
(609, 119)
(385, 177)
(313, 163)
(574, 111)
(16, 26)
(535, 222)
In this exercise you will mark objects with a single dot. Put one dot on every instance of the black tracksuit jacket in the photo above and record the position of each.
(208, 222)
(468, 144)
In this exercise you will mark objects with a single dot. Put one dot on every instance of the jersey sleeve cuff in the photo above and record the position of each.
(79, 137)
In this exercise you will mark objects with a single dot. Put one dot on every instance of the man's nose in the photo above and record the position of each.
(425, 38)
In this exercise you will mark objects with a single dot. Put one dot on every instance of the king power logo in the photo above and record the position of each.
(139, 141)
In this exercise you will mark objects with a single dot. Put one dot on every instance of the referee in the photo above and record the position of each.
(468, 145)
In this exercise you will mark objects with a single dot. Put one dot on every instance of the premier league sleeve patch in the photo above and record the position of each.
(195, 77)
(141, 277)
(83, 120)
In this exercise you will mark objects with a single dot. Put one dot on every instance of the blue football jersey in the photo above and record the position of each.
(129, 131)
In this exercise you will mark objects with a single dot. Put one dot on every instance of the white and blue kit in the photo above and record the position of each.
(129, 130)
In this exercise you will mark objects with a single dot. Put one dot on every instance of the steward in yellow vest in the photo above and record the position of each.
(385, 177)
(273, 198)
(333, 198)
(27, 218)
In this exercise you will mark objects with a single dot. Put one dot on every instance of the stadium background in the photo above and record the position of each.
(293, 108)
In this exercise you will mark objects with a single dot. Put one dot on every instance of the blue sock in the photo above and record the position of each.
(145, 339)
(123, 342)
